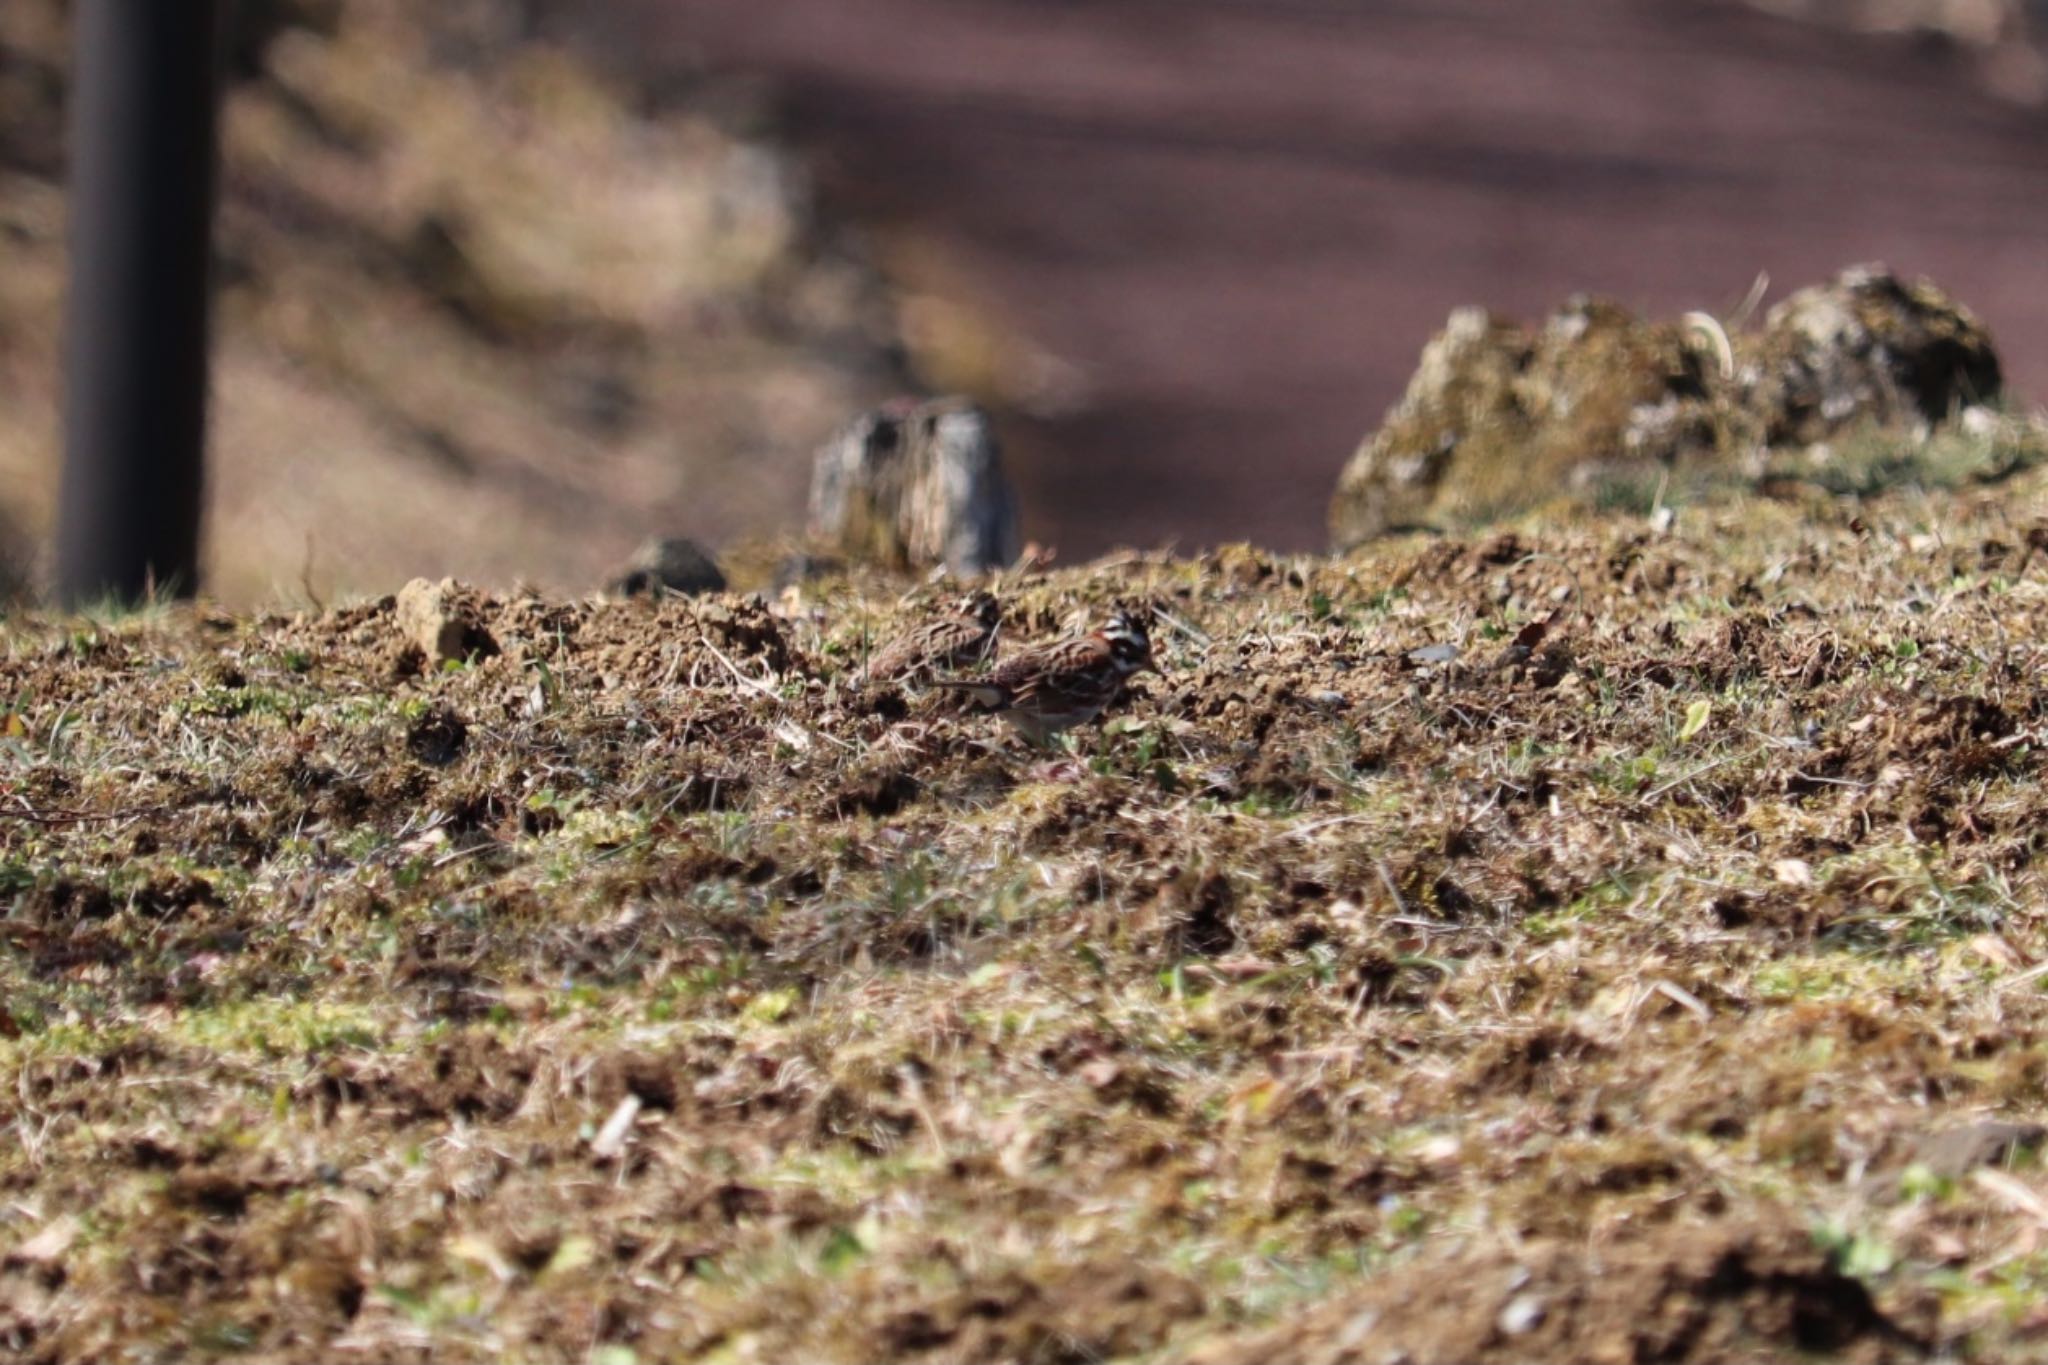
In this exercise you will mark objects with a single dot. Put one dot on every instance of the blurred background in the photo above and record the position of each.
(506, 286)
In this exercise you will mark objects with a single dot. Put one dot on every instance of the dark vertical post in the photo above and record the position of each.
(144, 104)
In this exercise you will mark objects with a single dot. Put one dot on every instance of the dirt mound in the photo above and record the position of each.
(1600, 405)
(1683, 1295)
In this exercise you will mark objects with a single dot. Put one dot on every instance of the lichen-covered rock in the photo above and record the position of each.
(1867, 346)
(915, 486)
(671, 564)
(1499, 419)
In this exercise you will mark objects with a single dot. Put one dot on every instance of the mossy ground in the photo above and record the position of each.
(1539, 924)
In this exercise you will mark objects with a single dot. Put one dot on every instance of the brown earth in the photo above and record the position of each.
(1714, 1292)
(1233, 225)
(1630, 928)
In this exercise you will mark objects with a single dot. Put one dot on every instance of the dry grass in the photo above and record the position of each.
(643, 992)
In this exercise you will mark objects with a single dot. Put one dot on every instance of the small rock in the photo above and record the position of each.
(611, 1139)
(1521, 1315)
(1100, 1073)
(444, 620)
(913, 487)
(671, 564)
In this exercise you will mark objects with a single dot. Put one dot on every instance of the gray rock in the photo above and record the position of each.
(1522, 1314)
(671, 564)
(915, 486)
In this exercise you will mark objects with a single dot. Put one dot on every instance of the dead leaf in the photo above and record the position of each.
(611, 1138)
(1793, 872)
(2014, 1193)
(1100, 1073)
(48, 1246)
(1531, 635)
(1997, 951)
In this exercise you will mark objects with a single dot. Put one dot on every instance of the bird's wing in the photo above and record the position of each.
(1060, 672)
(948, 641)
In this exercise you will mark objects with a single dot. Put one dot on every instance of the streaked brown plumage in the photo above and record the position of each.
(961, 638)
(1066, 683)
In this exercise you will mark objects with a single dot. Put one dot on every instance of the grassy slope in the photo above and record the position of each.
(1321, 970)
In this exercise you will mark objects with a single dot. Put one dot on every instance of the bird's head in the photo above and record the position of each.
(1129, 644)
(981, 605)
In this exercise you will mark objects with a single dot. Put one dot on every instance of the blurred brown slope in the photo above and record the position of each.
(1239, 220)
(481, 311)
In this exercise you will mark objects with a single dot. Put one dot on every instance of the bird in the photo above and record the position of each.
(1068, 682)
(961, 638)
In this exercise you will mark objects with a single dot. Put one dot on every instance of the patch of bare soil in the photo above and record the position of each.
(1717, 1292)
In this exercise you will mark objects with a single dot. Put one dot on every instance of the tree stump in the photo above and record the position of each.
(914, 486)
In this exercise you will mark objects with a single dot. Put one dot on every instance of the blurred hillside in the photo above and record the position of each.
(1230, 225)
(482, 311)
(1999, 40)
(508, 285)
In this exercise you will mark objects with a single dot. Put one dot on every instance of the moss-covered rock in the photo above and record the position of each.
(1500, 419)
(1866, 347)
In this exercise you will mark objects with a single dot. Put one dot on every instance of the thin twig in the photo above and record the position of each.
(1387, 881)
(740, 677)
(1677, 782)
(80, 817)
(1198, 636)
(2021, 978)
